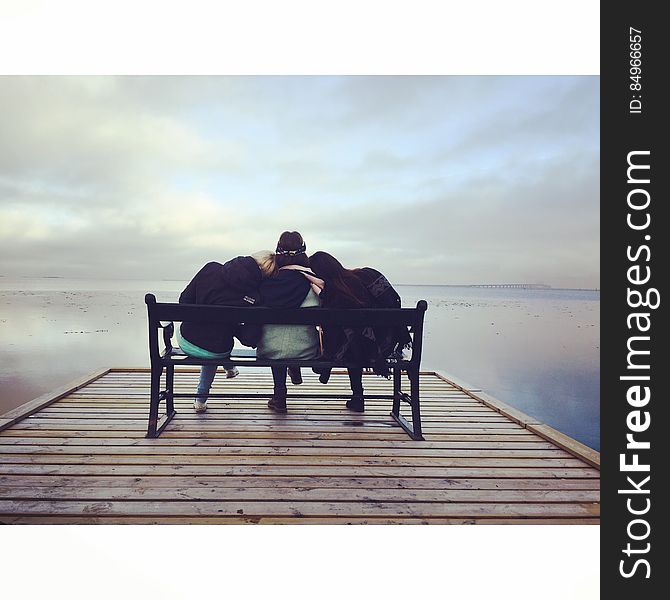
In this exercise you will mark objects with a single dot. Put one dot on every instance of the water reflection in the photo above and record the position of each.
(537, 350)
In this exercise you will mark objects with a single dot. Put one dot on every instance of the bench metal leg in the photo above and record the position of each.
(396, 392)
(413, 430)
(155, 400)
(154, 429)
(416, 408)
(169, 390)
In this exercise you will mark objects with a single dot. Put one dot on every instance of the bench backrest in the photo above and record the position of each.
(166, 312)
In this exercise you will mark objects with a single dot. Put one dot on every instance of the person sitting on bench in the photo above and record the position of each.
(234, 283)
(357, 288)
(293, 286)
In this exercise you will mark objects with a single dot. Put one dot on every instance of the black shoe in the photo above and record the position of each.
(295, 375)
(357, 403)
(324, 375)
(278, 402)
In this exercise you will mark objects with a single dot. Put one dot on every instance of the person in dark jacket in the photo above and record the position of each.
(235, 283)
(357, 288)
(293, 286)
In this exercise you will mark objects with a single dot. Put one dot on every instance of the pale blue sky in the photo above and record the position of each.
(430, 179)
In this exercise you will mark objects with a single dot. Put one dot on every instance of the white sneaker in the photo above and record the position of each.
(199, 406)
(230, 373)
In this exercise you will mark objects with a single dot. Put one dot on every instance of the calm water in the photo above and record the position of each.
(537, 350)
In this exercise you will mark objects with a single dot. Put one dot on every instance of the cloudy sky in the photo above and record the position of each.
(430, 179)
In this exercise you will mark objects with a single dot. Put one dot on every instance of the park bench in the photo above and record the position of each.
(162, 316)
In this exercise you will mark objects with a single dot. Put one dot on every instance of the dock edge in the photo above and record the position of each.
(571, 445)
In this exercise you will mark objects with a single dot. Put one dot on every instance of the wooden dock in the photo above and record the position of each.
(79, 455)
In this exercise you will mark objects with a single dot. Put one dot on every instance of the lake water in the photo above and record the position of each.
(537, 350)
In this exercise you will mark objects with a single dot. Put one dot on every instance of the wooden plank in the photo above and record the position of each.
(261, 418)
(192, 369)
(314, 399)
(290, 460)
(392, 435)
(211, 420)
(140, 470)
(309, 382)
(21, 412)
(576, 448)
(337, 385)
(297, 482)
(289, 494)
(311, 385)
(533, 444)
(244, 406)
(241, 520)
(203, 426)
(299, 509)
(270, 451)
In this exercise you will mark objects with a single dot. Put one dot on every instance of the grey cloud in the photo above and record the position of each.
(118, 176)
(87, 134)
(561, 118)
(543, 230)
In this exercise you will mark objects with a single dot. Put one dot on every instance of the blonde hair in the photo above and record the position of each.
(266, 262)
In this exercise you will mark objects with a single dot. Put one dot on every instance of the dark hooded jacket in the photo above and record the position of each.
(286, 289)
(235, 283)
(365, 345)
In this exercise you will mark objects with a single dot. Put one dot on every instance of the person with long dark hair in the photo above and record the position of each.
(357, 288)
(293, 286)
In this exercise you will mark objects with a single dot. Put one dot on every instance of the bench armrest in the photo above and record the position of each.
(168, 332)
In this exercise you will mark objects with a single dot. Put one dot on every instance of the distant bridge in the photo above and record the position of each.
(520, 286)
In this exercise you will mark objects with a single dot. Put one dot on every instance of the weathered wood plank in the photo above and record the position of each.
(174, 481)
(571, 445)
(411, 445)
(299, 509)
(140, 470)
(303, 451)
(235, 408)
(241, 520)
(288, 494)
(349, 426)
(385, 437)
(287, 459)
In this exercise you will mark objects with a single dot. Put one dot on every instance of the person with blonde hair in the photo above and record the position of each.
(234, 283)
(293, 286)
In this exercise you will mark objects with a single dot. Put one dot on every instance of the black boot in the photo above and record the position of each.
(323, 373)
(295, 375)
(278, 401)
(357, 403)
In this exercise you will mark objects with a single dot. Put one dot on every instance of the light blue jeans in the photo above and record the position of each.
(207, 372)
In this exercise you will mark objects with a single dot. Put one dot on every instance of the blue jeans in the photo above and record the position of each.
(207, 374)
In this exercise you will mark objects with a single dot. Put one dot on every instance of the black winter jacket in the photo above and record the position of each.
(234, 283)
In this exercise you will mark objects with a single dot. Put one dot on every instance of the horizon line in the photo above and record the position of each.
(507, 285)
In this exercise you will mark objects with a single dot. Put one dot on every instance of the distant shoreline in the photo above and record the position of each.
(506, 286)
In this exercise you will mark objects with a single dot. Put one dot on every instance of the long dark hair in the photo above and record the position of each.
(291, 250)
(342, 285)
